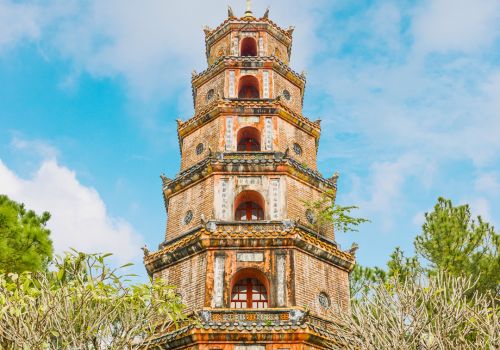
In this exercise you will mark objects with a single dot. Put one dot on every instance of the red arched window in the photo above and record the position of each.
(248, 139)
(249, 211)
(249, 206)
(248, 47)
(249, 293)
(248, 144)
(248, 87)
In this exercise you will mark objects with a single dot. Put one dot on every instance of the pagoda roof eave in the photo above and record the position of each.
(235, 61)
(254, 162)
(272, 325)
(257, 106)
(228, 234)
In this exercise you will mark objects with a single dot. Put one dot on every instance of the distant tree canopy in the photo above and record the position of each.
(452, 241)
(446, 296)
(25, 243)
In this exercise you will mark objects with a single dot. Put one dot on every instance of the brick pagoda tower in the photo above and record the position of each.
(239, 244)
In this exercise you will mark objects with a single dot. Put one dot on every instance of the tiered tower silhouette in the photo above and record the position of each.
(240, 244)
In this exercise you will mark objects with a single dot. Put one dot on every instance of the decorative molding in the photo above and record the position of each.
(248, 234)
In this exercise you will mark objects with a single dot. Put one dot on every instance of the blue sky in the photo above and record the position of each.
(408, 93)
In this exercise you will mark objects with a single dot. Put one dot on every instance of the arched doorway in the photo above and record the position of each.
(248, 47)
(249, 206)
(248, 139)
(248, 87)
(249, 290)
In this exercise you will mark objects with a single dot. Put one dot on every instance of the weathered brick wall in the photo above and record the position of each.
(281, 84)
(289, 134)
(312, 277)
(276, 48)
(188, 276)
(298, 193)
(209, 135)
(217, 84)
(220, 48)
(197, 198)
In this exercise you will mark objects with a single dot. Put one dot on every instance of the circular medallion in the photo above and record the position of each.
(286, 95)
(310, 216)
(324, 300)
(199, 149)
(210, 94)
(188, 217)
(297, 149)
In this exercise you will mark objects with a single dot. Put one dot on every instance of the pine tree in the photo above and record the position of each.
(453, 241)
(25, 243)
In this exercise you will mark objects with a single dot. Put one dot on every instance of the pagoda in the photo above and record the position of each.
(241, 245)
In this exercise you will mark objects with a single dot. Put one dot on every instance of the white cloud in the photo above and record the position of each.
(481, 207)
(488, 183)
(18, 22)
(150, 45)
(40, 147)
(463, 25)
(79, 219)
(382, 195)
(418, 219)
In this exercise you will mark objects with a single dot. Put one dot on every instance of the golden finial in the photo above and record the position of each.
(248, 12)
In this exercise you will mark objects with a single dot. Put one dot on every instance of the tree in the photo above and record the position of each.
(81, 303)
(452, 240)
(363, 279)
(25, 243)
(436, 312)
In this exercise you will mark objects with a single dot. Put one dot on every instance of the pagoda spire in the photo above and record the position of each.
(248, 12)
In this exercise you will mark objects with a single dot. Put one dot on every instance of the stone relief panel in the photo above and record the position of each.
(280, 279)
(229, 134)
(218, 294)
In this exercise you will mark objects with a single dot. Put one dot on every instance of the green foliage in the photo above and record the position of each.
(452, 240)
(25, 244)
(401, 267)
(327, 213)
(82, 303)
(363, 279)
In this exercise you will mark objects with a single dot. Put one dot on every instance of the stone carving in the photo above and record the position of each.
(280, 277)
(230, 13)
(217, 300)
(250, 257)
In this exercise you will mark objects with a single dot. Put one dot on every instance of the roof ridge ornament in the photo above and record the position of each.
(266, 14)
(230, 13)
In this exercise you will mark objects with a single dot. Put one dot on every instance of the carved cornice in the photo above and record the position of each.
(223, 235)
(294, 325)
(213, 35)
(247, 162)
(251, 107)
(246, 63)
